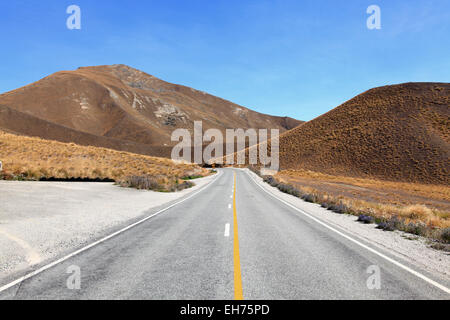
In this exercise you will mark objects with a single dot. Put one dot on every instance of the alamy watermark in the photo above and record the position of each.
(374, 20)
(74, 280)
(74, 20)
(257, 153)
(374, 280)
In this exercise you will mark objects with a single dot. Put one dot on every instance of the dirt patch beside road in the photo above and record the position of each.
(43, 220)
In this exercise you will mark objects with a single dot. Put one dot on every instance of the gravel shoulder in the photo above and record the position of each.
(40, 221)
(397, 243)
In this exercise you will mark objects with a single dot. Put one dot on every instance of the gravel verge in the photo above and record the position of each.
(40, 221)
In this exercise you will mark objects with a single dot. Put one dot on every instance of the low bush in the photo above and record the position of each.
(441, 246)
(286, 188)
(339, 207)
(419, 229)
(390, 224)
(155, 183)
(181, 186)
(271, 181)
(309, 197)
(141, 182)
(191, 177)
(365, 219)
(395, 223)
(442, 235)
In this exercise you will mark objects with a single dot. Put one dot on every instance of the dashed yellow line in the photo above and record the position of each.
(238, 295)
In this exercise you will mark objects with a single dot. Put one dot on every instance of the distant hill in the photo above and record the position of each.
(121, 108)
(399, 133)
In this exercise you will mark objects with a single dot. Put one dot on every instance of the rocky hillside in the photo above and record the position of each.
(121, 108)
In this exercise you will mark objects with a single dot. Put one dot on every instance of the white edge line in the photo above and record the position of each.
(54, 263)
(398, 264)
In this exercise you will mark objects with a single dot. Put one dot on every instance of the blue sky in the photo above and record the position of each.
(296, 58)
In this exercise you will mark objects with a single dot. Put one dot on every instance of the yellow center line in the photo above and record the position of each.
(238, 295)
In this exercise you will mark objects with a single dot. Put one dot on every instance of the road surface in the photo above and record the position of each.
(231, 240)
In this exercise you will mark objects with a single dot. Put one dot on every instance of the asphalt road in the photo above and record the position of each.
(227, 243)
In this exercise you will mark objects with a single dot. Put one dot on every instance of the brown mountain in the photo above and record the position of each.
(399, 133)
(121, 108)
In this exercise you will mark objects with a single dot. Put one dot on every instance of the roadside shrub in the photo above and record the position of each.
(286, 188)
(440, 237)
(339, 207)
(383, 226)
(309, 197)
(6, 176)
(155, 183)
(191, 177)
(325, 205)
(271, 181)
(391, 224)
(365, 219)
(419, 229)
(441, 246)
(141, 182)
(443, 235)
(181, 186)
(394, 223)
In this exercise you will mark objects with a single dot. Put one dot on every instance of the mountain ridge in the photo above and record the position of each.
(126, 104)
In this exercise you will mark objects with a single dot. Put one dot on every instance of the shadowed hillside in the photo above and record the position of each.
(17, 122)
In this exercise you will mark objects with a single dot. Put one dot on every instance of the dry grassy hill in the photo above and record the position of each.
(35, 158)
(396, 133)
(121, 108)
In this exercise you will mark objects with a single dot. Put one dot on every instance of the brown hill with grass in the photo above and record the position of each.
(122, 108)
(397, 133)
(36, 158)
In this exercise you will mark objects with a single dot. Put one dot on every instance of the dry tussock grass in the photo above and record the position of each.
(439, 192)
(411, 212)
(35, 158)
(416, 219)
